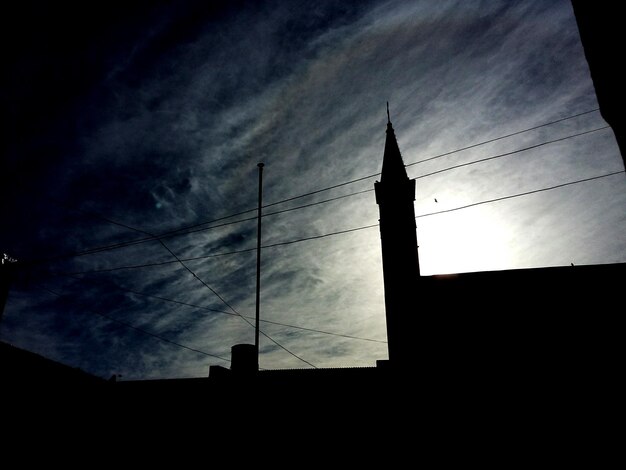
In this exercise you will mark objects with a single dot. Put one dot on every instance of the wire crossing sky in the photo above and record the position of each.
(211, 223)
(153, 119)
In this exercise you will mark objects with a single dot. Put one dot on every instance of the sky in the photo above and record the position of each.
(124, 123)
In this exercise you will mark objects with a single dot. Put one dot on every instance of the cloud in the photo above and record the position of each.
(170, 136)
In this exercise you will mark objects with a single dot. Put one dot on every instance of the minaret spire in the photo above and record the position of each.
(395, 194)
(393, 166)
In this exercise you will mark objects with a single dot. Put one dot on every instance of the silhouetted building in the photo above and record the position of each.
(601, 27)
(395, 194)
(512, 328)
(20, 369)
(516, 343)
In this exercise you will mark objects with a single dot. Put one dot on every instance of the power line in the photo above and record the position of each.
(165, 299)
(488, 201)
(478, 144)
(281, 211)
(106, 219)
(287, 350)
(224, 312)
(340, 232)
(186, 229)
(273, 340)
(162, 243)
(237, 313)
(324, 235)
(313, 330)
(198, 277)
(505, 136)
(319, 331)
(144, 331)
(228, 253)
(232, 308)
(524, 149)
(135, 266)
(526, 193)
(177, 232)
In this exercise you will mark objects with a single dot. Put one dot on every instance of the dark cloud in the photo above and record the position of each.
(154, 115)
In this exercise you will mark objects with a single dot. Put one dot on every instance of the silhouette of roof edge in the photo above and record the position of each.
(528, 270)
(317, 369)
(17, 364)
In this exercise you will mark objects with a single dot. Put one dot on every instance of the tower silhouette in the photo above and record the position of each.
(395, 194)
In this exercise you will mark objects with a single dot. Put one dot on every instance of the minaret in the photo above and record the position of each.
(395, 194)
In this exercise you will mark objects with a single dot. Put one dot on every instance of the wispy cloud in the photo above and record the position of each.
(171, 135)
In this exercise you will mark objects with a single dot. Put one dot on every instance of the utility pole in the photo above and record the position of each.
(258, 266)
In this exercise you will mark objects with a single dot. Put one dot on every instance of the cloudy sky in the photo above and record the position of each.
(126, 123)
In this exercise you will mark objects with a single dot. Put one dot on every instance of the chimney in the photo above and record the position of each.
(243, 360)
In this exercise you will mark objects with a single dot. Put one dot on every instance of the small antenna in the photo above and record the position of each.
(388, 118)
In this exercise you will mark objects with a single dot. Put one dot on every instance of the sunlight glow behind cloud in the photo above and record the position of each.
(171, 136)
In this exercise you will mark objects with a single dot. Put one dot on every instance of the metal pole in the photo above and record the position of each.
(258, 266)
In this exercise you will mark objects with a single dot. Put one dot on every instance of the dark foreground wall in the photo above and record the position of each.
(519, 340)
(506, 350)
(534, 324)
(501, 367)
(601, 27)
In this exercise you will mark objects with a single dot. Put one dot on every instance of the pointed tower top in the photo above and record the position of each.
(393, 166)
